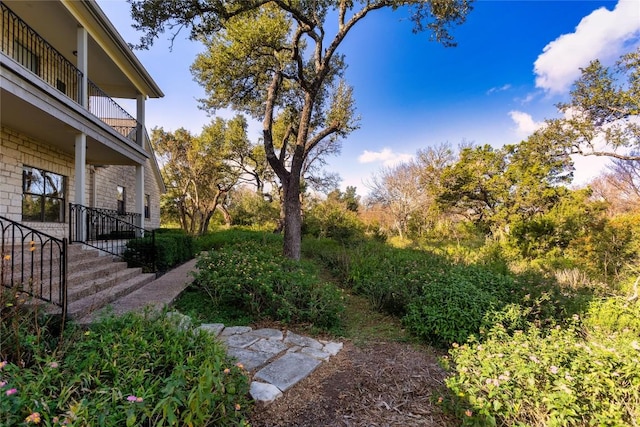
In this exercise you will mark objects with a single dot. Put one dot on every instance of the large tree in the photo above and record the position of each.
(602, 117)
(399, 190)
(200, 169)
(497, 187)
(278, 60)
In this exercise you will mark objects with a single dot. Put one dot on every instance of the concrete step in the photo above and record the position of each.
(98, 284)
(98, 270)
(93, 302)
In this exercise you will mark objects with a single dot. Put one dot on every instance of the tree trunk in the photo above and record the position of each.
(225, 214)
(292, 219)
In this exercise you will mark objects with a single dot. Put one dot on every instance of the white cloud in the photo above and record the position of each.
(499, 89)
(387, 157)
(525, 123)
(603, 34)
(587, 168)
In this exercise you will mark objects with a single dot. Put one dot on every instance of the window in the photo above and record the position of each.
(26, 57)
(122, 199)
(147, 209)
(43, 195)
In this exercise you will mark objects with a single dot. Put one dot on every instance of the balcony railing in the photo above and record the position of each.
(34, 53)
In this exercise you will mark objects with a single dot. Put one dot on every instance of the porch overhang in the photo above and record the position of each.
(38, 110)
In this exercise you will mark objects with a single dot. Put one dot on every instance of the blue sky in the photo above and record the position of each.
(514, 61)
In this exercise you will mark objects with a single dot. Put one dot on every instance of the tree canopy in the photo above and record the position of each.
(200, 170)
(278, 62)
(602, 117)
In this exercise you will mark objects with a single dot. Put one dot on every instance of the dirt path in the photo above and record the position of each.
(376, 380)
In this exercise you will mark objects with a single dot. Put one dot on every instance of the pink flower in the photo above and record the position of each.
(11, 391)
(33, 418)
(3, 364)
(468, 412)
(53, 365)
(133, 398)
(3, 383)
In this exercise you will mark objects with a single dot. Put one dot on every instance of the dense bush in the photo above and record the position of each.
(439, 301)
(256, 279)
(331, 254)
(219, 239)
(250, 209)
(24, 329)
(565, 376)
(128, 371)
(172, 248)
(331, 219)
(448, 310)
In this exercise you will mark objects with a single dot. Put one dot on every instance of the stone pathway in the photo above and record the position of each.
(276, 360)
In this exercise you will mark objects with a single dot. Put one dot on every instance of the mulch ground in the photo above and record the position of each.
(377, 384)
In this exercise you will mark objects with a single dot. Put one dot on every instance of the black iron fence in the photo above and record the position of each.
(115, 233)
(34, 53)
(34, 263)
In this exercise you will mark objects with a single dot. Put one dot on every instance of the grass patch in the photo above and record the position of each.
(197, 305)
(362, 324)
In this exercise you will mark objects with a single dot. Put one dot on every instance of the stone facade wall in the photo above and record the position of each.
(107, 180)
(18, 150)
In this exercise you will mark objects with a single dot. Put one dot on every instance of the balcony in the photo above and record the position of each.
(35, 54)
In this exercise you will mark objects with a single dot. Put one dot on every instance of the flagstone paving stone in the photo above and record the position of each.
(288, 370)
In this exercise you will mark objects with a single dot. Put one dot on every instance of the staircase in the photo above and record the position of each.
(96, 279)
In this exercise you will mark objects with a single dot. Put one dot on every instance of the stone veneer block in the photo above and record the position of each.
(269, 346)
(288, 370)
(239, 341)
(249, 359)
(332, 348)
(212, 328)
(296, 339)
(234, 330)
(315, 353)
(262, 392)
(271, 334)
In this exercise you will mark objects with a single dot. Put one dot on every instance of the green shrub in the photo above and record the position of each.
(331, 219)
(329, 253)
(219, 239)
(129, 371)
(449, 310)
(550, 378)
(25, 330)
(250, 276)
(615, 315)
(172, 248)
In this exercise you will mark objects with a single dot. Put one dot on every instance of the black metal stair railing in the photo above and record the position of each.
(34, 263)
(114, 233)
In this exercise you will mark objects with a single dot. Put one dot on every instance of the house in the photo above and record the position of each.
(75, 166)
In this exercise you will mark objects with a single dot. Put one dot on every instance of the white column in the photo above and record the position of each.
(81, 181)
(82, 49)
(140, 193)
(140, 117)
